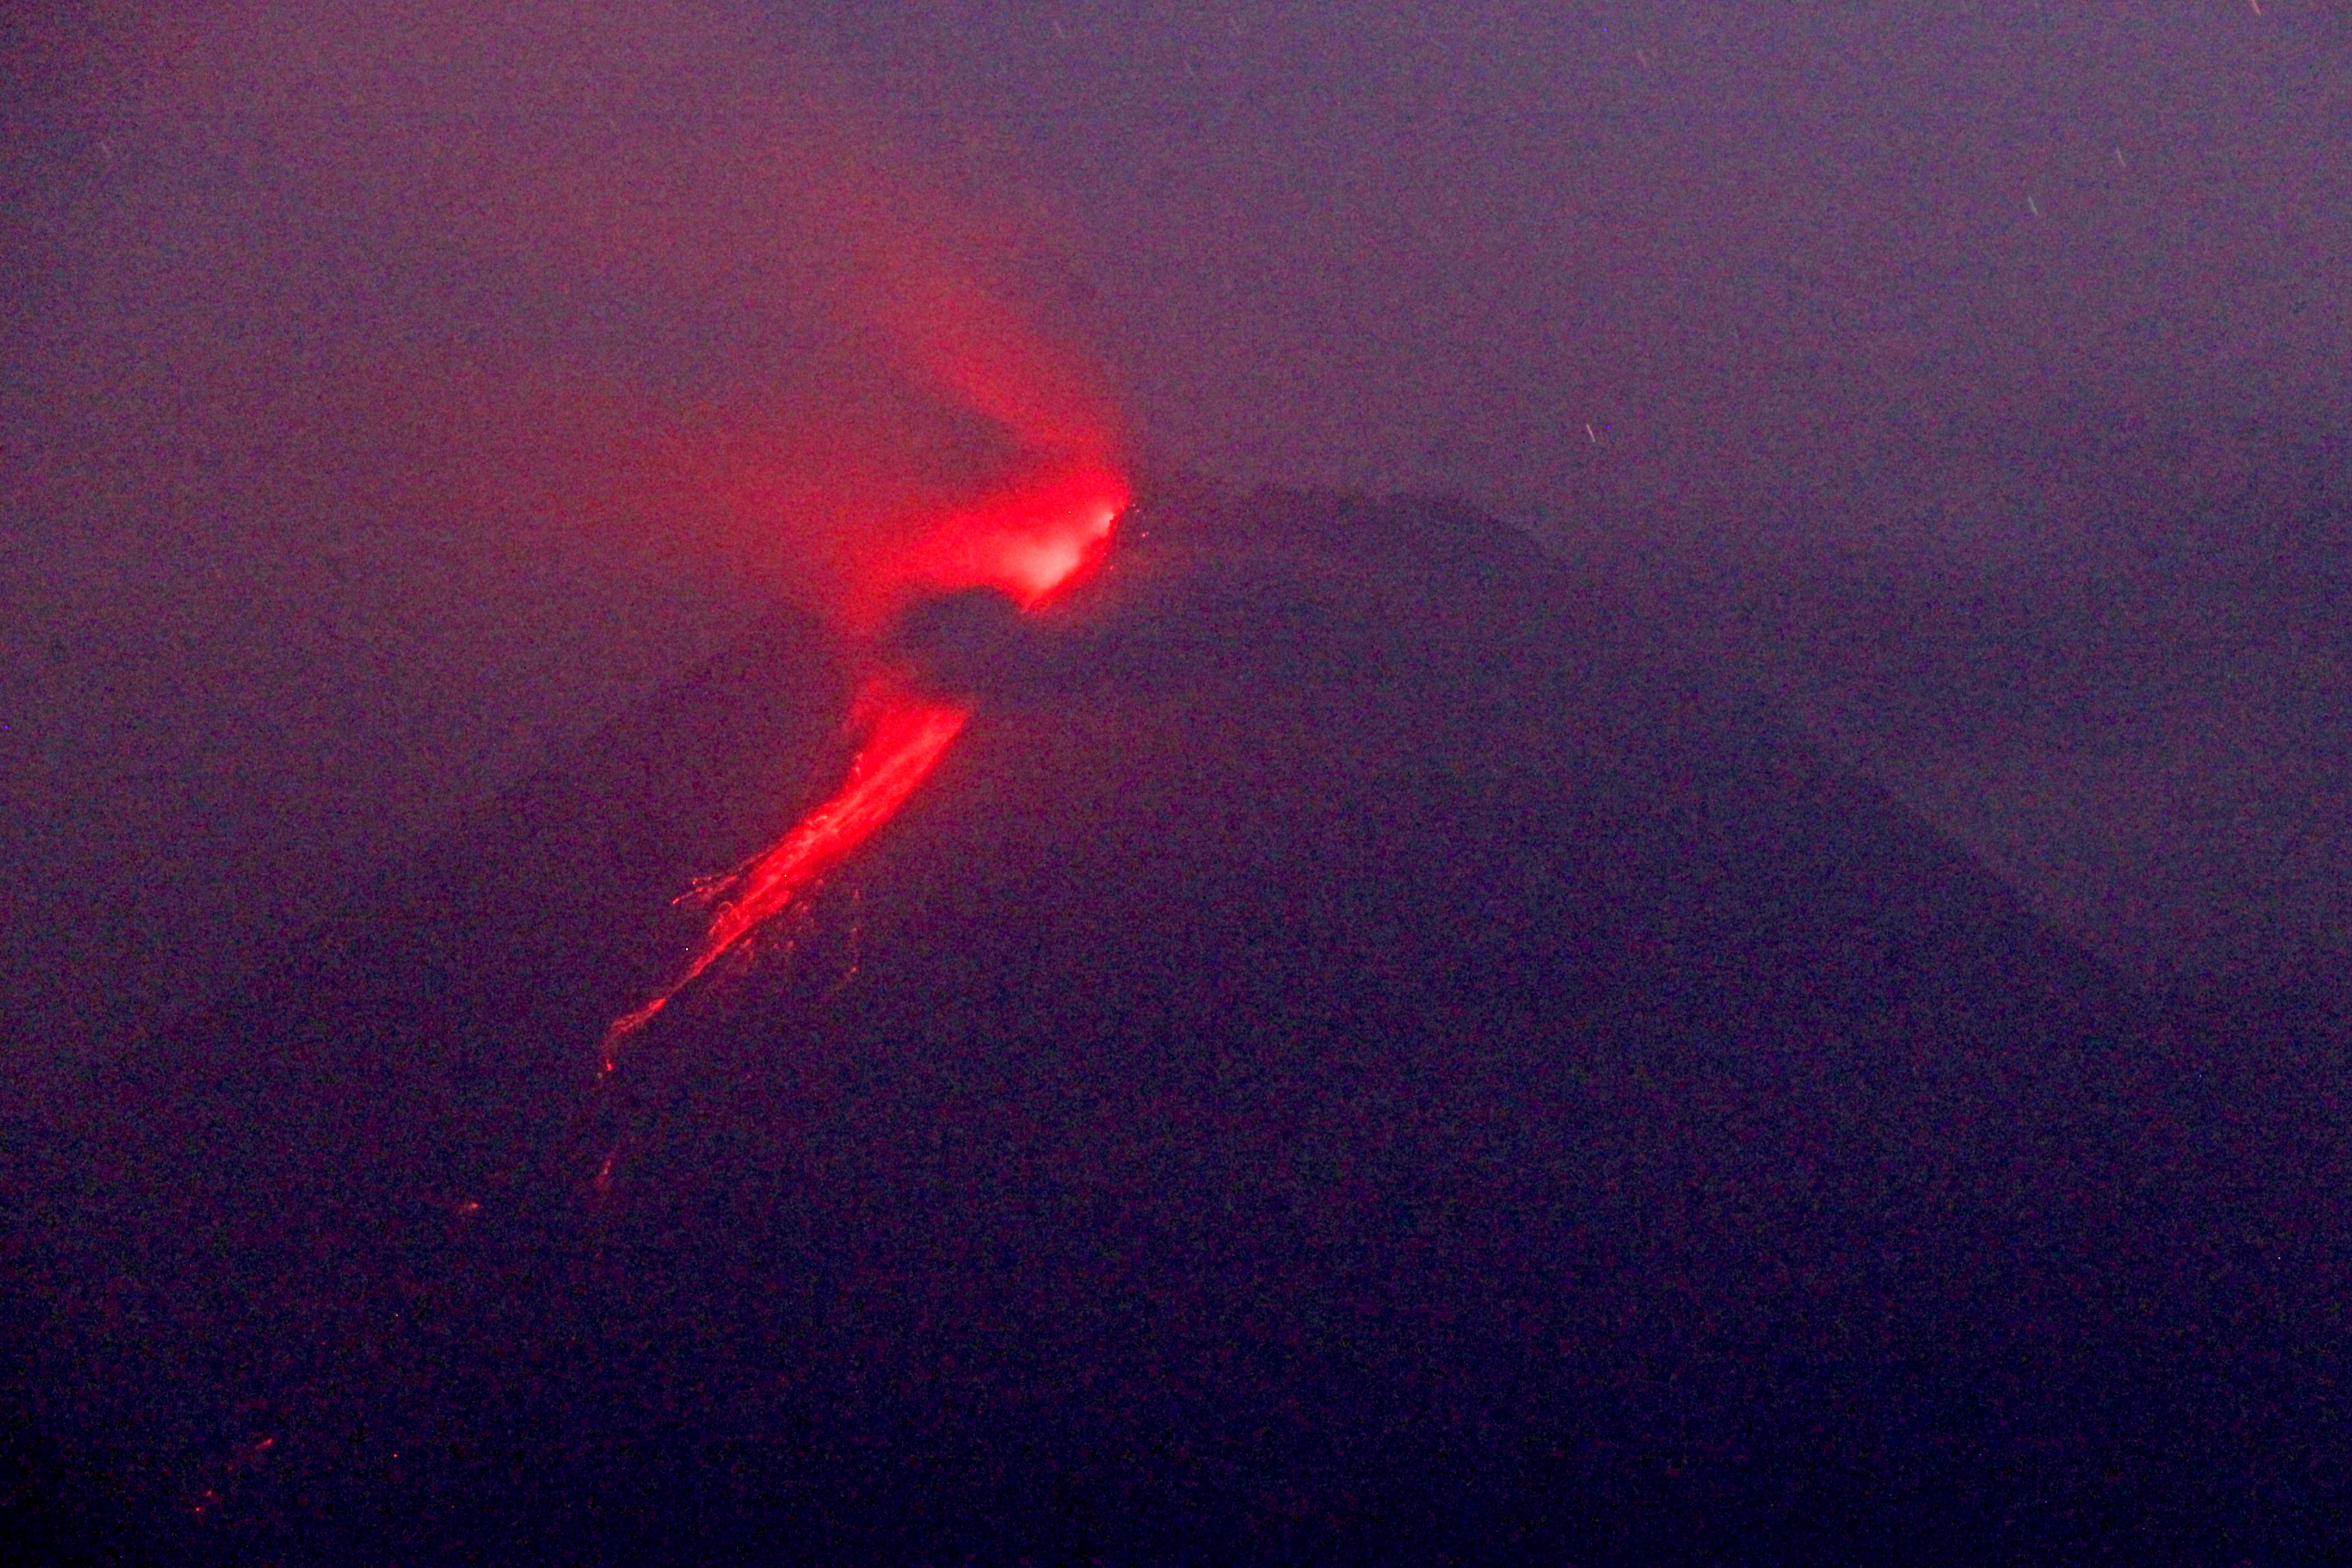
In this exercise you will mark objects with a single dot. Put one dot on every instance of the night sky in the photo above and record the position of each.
(390, 400)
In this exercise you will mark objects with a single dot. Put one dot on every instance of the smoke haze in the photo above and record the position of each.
(391, 395)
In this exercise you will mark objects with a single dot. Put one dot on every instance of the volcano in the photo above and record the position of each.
(1366, 1046)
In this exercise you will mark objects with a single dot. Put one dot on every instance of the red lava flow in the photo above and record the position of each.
(1030, 542)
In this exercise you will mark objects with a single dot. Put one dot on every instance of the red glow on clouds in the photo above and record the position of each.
(646, 279)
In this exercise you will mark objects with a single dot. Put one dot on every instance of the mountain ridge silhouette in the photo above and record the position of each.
(1362, 1049)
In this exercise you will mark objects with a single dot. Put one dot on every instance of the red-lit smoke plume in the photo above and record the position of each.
(642, 277)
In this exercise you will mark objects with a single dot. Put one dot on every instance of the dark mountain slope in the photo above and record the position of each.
(1362, 1049)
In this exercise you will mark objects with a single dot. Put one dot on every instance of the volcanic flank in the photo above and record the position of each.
(1358, 1048)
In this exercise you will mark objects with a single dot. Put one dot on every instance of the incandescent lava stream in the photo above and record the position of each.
(1017, 550)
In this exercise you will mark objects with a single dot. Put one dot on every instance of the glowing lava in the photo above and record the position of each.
(1030, 542)
(907, 738)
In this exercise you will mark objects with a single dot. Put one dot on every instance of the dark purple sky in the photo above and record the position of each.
(388, 400)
